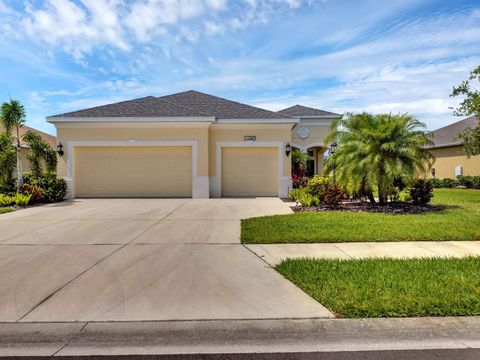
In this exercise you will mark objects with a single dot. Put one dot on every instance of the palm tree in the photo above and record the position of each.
(13, 116)
(299, 162)
(377, 150)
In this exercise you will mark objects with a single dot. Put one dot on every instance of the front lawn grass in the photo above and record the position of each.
(390, 287)
(4, 210)
(460, 220)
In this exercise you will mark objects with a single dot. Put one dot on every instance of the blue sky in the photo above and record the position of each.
(378, 56)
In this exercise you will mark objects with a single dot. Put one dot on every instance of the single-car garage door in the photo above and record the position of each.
(134, 171)
(249, 171)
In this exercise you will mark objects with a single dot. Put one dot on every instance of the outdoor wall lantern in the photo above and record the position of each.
(60, 149)
(288, 149)
(333, 148)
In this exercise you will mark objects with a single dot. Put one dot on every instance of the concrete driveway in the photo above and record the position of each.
(141, 259)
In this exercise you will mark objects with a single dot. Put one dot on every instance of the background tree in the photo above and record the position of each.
(8, 161)
(470, 105)
(40, 151)
(12, 115)
(377, 150)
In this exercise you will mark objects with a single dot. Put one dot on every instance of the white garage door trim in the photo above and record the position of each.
(200, 184)
(284, 182)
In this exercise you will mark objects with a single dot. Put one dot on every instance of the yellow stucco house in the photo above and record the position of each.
(447, 149)
(188, 144)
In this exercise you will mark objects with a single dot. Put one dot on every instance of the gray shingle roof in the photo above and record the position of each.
(219, 107)
(184, 104)
(300, 110)
(447, 135)
(149, 106)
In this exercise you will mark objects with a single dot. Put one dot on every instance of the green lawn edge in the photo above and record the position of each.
(460, 220)
(389, 287)
(5, 210)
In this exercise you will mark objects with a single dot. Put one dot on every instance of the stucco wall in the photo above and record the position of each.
(317, 134)
(447, 159)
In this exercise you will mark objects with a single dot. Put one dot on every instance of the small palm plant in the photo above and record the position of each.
(13, 116)
(299, 162)
(377, 150)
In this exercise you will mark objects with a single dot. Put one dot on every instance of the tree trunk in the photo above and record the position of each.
(19, 160)
(381, 195)
(370, 196)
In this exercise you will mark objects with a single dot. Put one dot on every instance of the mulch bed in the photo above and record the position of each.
(360, 206)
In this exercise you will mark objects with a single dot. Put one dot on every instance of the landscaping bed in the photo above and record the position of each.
(362, 206)
(459, 220)
(390, 287)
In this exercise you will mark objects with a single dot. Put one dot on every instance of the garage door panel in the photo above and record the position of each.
(249, 171)
(133, 171)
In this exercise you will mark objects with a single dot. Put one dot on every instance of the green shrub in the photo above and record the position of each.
(21, 199)
(323, 189)
(6, 200)
(317, 186)
(421, 192)
(307, 199)
(54, 188)
(404, 195)
(34, 190)
(294, 194)
(469, 182)
(333, 195)
(18, 199)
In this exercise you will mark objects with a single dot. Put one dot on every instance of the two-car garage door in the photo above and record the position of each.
(131, 171)
(163, 171)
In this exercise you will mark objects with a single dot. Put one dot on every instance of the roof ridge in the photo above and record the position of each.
(181, 105)
(231, 101)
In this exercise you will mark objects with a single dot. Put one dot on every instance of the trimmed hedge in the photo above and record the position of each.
(468, 182)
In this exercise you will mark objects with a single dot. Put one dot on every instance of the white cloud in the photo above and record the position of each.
(77, 28)
(213, 28)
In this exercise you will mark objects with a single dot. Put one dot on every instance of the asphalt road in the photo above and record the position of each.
(445, 354)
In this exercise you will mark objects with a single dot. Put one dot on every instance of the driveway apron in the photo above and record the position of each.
(141, 260)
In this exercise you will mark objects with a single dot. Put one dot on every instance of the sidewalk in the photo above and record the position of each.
(275, 253)
(237, 336)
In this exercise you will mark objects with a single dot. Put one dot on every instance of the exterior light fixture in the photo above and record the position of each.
(60, 149)
(333, 148)
(433, 172)
(288, 149)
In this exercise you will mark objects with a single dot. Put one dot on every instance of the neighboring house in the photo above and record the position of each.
(24, 151)
(447, 149)
(187, 144)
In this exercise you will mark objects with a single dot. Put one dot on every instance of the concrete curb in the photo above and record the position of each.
(237, 336)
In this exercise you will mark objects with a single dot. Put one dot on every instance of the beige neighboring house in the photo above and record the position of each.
(24, 151)
(447, 149)
(188, 144)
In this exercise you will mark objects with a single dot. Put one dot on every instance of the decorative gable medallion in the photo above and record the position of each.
(303, 133)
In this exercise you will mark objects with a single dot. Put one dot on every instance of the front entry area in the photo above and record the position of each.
(136, 171)
(249, 171)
